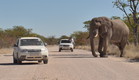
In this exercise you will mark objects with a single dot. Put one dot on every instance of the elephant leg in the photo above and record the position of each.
(121, 48)
(92, 47)
(105, 45)
(100, 45)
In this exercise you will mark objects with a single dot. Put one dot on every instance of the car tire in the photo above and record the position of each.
(39, 61)
(14, 61)
(71, 50)
(19, 62)
(45, 61)
(60, 49)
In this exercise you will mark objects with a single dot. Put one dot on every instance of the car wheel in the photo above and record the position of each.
(45, 61)
(19, 62)
(14, 60)
(39, 61)
(60, 49)
(71, 50)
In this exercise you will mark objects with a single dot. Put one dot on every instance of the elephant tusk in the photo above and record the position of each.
(96, 35)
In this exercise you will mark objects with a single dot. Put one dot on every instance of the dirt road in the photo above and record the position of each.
(66, 65)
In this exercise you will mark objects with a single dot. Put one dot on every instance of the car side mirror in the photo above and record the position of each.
(15, 45)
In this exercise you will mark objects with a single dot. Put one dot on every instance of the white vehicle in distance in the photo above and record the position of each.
(65, 44)
(30, 49)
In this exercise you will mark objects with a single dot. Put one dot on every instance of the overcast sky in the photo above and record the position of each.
(53, 17)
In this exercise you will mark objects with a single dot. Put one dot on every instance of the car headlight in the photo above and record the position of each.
(43, 50)
(70, 45)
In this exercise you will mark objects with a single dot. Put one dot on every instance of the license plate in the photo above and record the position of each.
(66, 48)
(34, 54)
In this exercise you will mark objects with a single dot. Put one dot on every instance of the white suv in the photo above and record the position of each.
(30, 49)
(65, 44)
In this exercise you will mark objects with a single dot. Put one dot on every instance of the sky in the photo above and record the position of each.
(54, 17)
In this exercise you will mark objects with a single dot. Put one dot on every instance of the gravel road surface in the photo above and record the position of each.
(66, 65)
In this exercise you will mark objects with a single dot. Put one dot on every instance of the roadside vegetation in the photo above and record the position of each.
(9, 36)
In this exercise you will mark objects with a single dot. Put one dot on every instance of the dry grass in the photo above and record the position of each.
(130, 51)
(113, 50)
(87, 47)
(6, 51)
(83, 47)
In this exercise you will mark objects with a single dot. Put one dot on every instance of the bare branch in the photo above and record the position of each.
(131, 5)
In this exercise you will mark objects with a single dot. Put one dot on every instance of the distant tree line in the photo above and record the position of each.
(9, 36)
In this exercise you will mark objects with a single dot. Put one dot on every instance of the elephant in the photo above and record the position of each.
(109, 31)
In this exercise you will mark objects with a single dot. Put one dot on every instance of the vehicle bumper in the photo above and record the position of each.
(32, 56)
(65, 47)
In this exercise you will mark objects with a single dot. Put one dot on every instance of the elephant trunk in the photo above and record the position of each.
(92, 46)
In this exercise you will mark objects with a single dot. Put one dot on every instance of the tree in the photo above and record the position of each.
(9, 36)
(87, 24)
(80, 37)
(132, 6)
(115, 17)
(125, 19)
(18, 31)
(64, 37)
(1, 32)
(52, 40)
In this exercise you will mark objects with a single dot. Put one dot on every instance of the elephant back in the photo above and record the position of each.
(120, 31)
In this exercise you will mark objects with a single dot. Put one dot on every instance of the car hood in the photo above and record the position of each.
(32, 47)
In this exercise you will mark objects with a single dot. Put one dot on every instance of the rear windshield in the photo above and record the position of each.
(65, 41)
(33, 42)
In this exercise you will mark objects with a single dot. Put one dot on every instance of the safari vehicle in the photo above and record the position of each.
(65, 44)
(30, 49)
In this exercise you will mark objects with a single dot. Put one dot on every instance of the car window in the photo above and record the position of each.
(65, 41)
(28, 42)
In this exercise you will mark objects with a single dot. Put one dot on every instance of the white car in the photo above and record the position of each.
(65, 44)
(30, 49)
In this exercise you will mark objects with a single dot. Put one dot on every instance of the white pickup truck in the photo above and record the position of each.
(65, 44)
(30, 49)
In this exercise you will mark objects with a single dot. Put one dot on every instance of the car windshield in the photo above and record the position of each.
(65, 41)
(33, 42)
